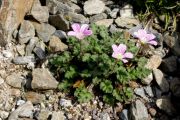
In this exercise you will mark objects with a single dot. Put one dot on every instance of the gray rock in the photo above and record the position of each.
(26, 32)
(15, 80)
(75, 8)
(56, 44)
(161, 80)
(94, 7)
(104, 116)
(105, 22)
(40, 13)
(127, 11)
(124, 115)
(1, 80)
(148, 79)
(138, 111)
(32, 43)
(59, 22)
(77, 18)
(43, 79)
(173, 43)
(4, 114)
(65, 103)
(43, 115)
(21, 49)
(114, 12)
(114, 29)
(140, 92)
(166, 105)
(97, 17)
(57, 7)
(44, 31)
(20, 102)
(58, 115)
(154, 62)
(175, 87)
(23, 59)
(169, 65)
(39, 52)
(60, 34)
(148, 91)
(25, 110)
(126, 22)
(158, 92)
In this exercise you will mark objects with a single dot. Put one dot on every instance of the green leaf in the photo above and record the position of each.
(106, 86)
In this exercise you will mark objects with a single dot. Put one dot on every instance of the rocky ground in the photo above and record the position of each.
(33, 30)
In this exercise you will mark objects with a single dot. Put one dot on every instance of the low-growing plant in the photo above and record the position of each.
(107, 62)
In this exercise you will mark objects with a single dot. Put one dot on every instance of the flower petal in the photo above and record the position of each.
(84, 27)
(122, 48)
(153, 42)
(128, 55)
(140, 33)
(87, 32)
(72, 33)
(115, 55)
(115, 48)
(76, 27)
(124, 60)
(150, 36)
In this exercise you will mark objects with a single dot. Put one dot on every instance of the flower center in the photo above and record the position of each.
(119, 56)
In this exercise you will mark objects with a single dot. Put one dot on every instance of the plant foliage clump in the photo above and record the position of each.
(89, 63)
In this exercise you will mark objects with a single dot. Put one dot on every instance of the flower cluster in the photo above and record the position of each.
(119, 52)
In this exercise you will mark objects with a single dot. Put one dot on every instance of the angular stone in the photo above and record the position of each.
(77, 18)
(56, 44)
(4, 115)
(57, 7)
(40, 13)
(98, 17)
(126, 22)
(127, 11)
(161, 80)
(104, 116)
(138, 111)
(43, 115)
(59, 22)
(60, 34)
(75, 8)
(148, 79)
(140, 92)
(57, 115)
(32, 43)
(154, 62)
(175, 87)
(94, 7)
(44, 31)
(43, 79)
(26, 32)
(105, 22)
(166, 105)
(169, 65)
(114, 12)
(124, 115)
(21, 49)
(34, 97)
(15, 80)
(23, 60)
(25, 110)
(148, 91)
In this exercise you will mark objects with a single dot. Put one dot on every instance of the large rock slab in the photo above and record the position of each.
(43, 79)
(94, 7)
(12, 14)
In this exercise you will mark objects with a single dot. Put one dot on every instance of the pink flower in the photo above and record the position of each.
(80, 32)
(119, 52)
(144, 37)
